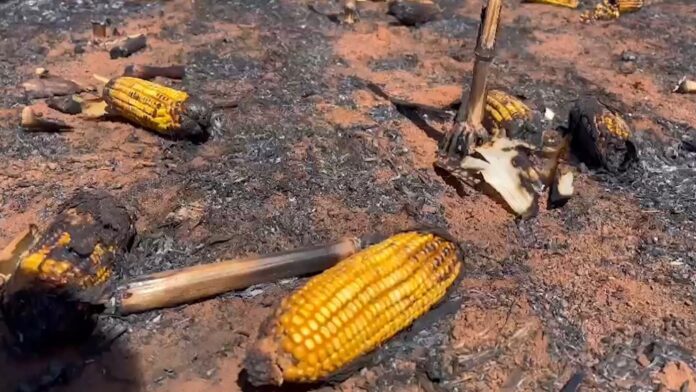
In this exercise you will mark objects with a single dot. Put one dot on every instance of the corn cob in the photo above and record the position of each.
(600, 135)
(352, 308)
(611, 9)
(159, 108)
(505, 112)
(48, 298)
(561, 3)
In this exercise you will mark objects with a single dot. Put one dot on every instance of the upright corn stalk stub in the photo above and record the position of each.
(468, 131)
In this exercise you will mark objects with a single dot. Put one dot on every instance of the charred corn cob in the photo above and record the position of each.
(611, 9)
(159, 108)
(505, 112)
(48, 299)
(353, 308)
(600, 135)
(561, 3)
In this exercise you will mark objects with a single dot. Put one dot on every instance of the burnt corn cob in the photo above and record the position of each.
(161, 109)
(49, 298)
(352, 308)
(601, 138)
(611, 9)
(505, 112)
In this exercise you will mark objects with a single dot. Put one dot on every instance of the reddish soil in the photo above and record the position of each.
(313, 155)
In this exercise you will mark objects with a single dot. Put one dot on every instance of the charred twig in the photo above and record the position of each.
(685, 86)
(150, 72)
(51, 86)
(67, 105)
(33, 122)
(414, 12)
(128, 46)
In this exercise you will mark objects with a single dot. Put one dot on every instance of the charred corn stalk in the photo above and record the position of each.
(353, 308)
(48, 299)
(561, 3)
(159, 108)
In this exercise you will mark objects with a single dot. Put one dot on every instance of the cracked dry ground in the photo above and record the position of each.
(602, 287)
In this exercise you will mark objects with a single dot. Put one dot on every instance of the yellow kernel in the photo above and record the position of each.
(306, 313)
(305, 331)
(287, 345)
(297, 320)
(332, 326)
(320, 318)
(299, 352)
(321, 353)
(309, 343)
(291, 373)
(325, 312)
(325, 332)
(343, 316)
(317, 339)
(297, 338)
(334, 304)
(312, 359)
(313, 325)
(336, 343)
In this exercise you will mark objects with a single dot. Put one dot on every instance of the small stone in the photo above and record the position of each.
(79, 49)
(628, 56)
(549, 115)
(627, 68)
(643, 360)
(52, 166)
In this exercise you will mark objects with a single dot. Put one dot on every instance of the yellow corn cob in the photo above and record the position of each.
(561, 3)
(155, 107)
(352, 308)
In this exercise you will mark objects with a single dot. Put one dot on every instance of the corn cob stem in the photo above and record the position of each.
(172, 288)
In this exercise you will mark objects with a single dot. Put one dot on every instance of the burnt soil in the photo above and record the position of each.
(599, 293)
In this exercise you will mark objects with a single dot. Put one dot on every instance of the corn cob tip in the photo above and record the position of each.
(261, 364)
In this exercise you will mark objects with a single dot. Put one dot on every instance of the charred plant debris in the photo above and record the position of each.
(50, 297)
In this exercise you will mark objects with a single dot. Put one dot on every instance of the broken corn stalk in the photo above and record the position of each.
(158, 108)
(353, 308)
(561, 3)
